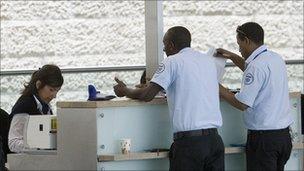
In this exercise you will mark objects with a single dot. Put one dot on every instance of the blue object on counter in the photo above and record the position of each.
(95, 95)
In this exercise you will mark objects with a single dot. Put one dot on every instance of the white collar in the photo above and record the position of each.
(39, 106)
(255, 53)
(184, 49)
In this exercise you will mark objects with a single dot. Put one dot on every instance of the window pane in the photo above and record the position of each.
(75, 86)
(72, 33)
(213, 23)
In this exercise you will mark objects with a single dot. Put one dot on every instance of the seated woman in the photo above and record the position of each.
(34, 100)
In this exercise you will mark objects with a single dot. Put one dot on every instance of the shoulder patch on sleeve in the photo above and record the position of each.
(161, 68)
(248, 79)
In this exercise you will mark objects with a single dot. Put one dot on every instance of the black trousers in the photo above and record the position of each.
(204, 152)
(268, 150)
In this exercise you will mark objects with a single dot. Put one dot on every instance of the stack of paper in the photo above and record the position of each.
(219, 63)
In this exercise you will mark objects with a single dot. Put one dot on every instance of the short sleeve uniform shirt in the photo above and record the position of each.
(190, 80)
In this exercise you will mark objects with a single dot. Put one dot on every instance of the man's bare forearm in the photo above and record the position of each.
(238, 61)
(134, 93)
(144, 94)
(230, 98)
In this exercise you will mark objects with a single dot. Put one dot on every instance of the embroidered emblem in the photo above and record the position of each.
(249, 79)
(161, 68)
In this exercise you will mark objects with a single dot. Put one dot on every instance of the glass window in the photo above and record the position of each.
(74, 88)
(213, 24)
(72, 33)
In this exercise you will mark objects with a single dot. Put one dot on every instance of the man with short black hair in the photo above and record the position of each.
(264, 97)
(190, 80)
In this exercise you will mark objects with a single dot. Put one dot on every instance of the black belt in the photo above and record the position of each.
(254, 132)
(194, 133)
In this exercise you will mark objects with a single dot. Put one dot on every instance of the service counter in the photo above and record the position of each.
(88, 135)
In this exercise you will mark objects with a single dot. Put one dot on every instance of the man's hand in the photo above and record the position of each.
(230, 98)
(224, 53)
(119, 88)
(236, 59)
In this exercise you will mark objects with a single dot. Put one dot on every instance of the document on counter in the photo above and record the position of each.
(219, 63)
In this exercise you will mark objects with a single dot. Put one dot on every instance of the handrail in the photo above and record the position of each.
(112, 68)
(79, 70)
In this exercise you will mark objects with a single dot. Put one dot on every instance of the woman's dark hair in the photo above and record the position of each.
(252, 31)
(48, 75)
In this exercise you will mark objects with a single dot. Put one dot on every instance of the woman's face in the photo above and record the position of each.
(48, 93)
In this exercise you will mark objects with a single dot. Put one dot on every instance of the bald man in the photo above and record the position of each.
(190, 81)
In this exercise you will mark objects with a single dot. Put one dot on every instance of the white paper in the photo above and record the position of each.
(219, 63)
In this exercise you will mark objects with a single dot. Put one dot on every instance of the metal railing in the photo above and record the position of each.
(79, 70)
(112, 68)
